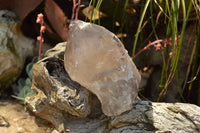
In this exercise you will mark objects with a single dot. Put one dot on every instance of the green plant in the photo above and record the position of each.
(74, 10)
(173, 20)
(173, 16)
(40, 20)
(139, 26)
(174, 12)
(25, 91)
(23, 87)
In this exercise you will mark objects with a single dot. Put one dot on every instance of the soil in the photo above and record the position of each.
(14, 119)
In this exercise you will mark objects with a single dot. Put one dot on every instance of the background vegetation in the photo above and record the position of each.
(155, 31)
(156, 19)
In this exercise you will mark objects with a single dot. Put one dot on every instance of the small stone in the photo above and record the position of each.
(20, 130)
(96, 58)
(3, 122)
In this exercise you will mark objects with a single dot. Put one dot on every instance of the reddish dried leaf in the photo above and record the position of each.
(21, 7)
(57, 18)
(87, 11)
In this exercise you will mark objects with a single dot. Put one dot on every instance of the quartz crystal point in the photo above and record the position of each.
(96, 59)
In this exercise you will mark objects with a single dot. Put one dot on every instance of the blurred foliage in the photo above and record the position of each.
(136, 22)
(23, 87)
(172, 16)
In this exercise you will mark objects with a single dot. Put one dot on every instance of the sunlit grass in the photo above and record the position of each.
(170, 9)
(174, 34)
(139, 26)
(175, 15)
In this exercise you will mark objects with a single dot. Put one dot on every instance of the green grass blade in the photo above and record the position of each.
(152, 21)
(93, 4)
(139, 26)
(185, 20)
(165, 64)
(195, 62)
(114, 14)
(175, 57)
(178, 87)
(98, 9)
(123, 19)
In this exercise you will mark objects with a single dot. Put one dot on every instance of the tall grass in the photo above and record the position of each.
(139, 26)
(93, 6)
(94, 12)
(173, 14)
(170, 9)
(98, 9)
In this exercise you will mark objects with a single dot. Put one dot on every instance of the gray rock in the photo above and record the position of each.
(57, 51)
(150, 117)
(14, 48)
(97, 60)
(72, 108)
(145, 117)
(3, 122)
(56, 93)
